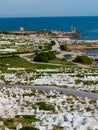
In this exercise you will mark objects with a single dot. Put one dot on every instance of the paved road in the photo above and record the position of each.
(64, 90)
(56, 47)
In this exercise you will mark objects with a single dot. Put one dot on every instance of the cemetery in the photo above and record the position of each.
(21, 108)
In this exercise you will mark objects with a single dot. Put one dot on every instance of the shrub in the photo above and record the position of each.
(41, 58)
(63, 47)
(44, 57)
(53, 42)
(83, 59)
(50, 55)
(45, 106)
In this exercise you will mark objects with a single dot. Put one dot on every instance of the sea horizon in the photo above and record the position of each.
(48, 16)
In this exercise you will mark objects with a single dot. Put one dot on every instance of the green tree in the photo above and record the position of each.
(44, 56)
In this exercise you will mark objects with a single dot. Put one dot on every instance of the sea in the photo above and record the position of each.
(87, 26)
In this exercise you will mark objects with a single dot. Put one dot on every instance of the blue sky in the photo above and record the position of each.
(38, 8)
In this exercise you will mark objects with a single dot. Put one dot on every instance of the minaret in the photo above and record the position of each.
(71, 28)
(75, 30)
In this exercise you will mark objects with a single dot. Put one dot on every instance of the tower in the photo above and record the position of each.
(21, 29)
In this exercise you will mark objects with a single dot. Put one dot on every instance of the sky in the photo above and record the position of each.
(44, 8)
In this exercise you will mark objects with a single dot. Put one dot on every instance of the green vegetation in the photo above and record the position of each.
(83, 59)
(50, 33)
(20, 62)
(62, 62)
(45, 106)
(92, 101)
(78, 81)
(83, 43)
(53, 96)
(4, 32)
(48, 46)
(9, 123)
(53, 42)
(88, 82)
(64, 47)
(57, 128)
(27, 118)
(44, 57)
(94, 91)
(29, 128)
(24, 120)
(88, 109)
(8, 55)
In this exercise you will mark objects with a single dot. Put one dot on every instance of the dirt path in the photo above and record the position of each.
(56, 47)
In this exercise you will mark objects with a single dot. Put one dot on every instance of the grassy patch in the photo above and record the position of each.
(24, 120)
(45, 106)
(63, 62)
(20, 62)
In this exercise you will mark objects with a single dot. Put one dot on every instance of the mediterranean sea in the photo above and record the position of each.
(93, 52)
(87, 26)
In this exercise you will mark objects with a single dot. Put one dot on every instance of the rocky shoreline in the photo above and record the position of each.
(45, 33)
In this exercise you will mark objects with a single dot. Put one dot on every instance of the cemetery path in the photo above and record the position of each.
(64, 90)
(56, 47)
